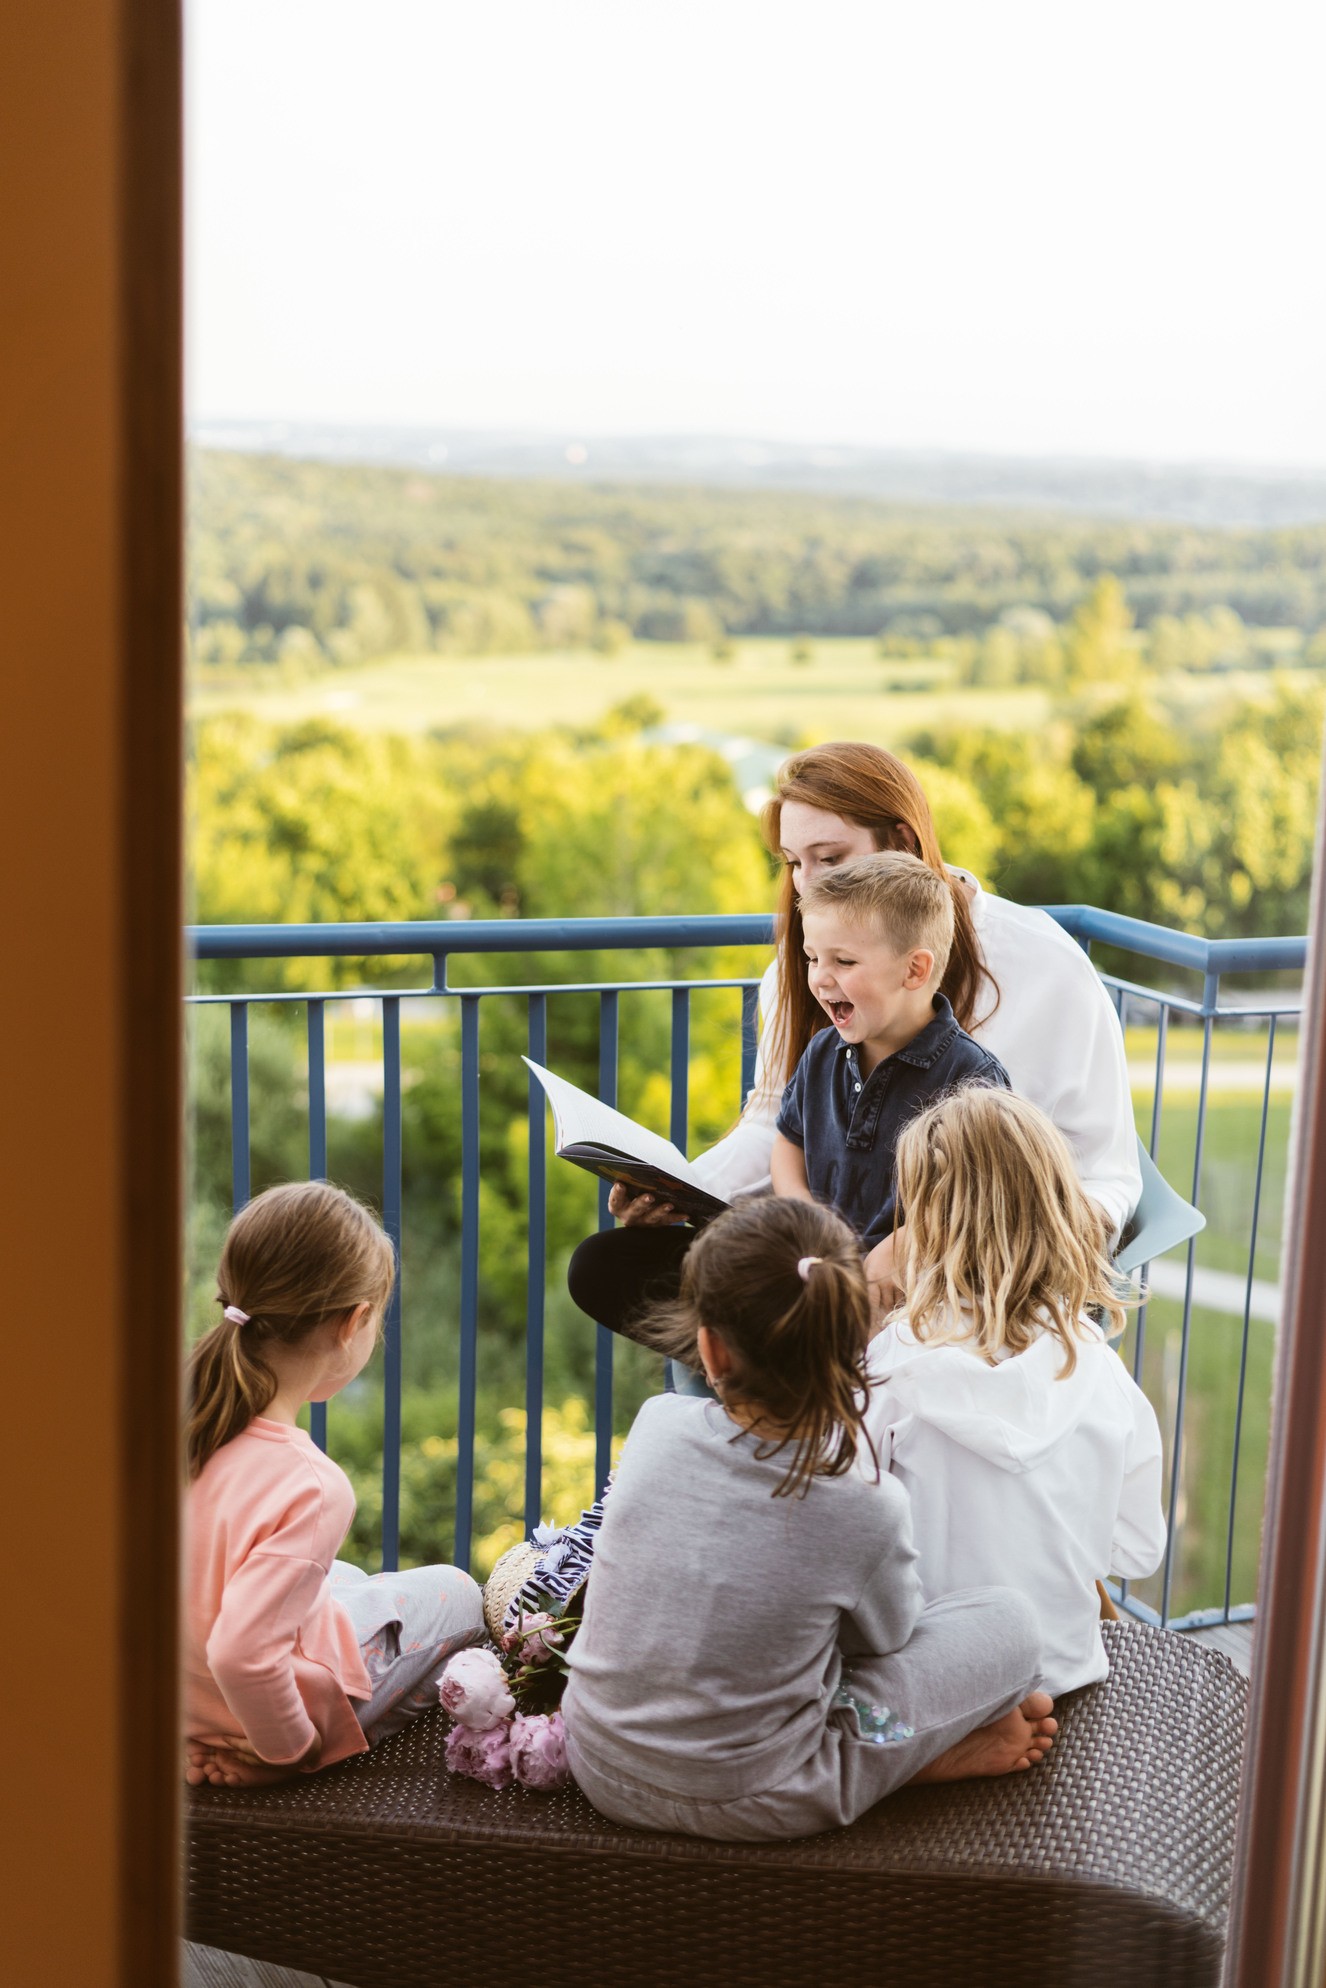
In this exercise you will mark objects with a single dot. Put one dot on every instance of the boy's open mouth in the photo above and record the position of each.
(841, 1012)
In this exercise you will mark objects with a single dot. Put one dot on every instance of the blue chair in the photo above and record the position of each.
(1161, 1220)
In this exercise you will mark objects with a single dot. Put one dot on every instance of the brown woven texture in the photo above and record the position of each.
(1109, 1864)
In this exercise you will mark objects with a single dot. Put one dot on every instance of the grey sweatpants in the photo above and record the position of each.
(407, 1625)
(972, 1657)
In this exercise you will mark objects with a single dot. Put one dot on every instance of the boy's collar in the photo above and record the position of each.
(927, 1046)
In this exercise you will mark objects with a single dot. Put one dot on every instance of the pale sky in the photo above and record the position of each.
(1033, 226)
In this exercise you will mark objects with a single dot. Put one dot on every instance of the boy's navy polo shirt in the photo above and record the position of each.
(848, 1127)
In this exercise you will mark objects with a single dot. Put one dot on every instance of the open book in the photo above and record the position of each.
(610, 1144)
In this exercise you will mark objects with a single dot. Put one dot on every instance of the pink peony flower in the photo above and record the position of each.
(538, 1750)
(484, 1756)
(473, 1690)
(533, 1640)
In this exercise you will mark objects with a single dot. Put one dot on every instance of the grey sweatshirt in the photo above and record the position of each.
(718, 1616)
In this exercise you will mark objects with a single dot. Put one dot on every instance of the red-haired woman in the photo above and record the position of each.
(1015, 980)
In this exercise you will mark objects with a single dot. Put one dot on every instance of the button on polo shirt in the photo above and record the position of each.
(848, 1125)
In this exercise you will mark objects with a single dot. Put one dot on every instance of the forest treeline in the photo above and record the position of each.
(313, 565)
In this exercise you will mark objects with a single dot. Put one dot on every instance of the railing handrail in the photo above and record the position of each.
(1186, 949)
(439, 938)
(436, 938)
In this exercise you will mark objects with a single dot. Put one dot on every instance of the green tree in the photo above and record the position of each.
(1100, 646)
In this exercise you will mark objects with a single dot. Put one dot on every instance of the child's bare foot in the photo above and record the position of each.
(1021, 1739)
(222, 1767)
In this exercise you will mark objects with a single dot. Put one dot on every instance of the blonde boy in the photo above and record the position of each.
(878, 933)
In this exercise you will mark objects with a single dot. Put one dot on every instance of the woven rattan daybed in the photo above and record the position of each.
(1110, 1864)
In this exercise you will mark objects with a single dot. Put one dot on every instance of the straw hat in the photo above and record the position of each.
(505, 1582)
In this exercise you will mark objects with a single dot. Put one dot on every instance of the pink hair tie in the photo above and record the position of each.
(235, 1315)
(803, 1267)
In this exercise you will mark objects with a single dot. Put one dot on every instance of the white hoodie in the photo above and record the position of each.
(1021, 1479)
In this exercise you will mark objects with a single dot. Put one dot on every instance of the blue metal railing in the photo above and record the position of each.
(440, 942)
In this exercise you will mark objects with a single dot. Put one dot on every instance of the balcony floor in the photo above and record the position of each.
(206, 1967)
(1234, 1638)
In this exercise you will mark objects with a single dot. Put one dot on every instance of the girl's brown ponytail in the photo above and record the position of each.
(295, 1258)
(227, 1383)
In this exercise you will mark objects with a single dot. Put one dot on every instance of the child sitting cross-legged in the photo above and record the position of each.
(1030, 1454)
(755, 1660)
(293, 1660)
(878, 933)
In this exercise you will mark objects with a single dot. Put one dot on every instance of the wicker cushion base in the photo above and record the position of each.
(1112, 1862)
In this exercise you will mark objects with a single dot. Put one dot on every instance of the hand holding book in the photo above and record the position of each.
(608, 1143)
(637, 1209)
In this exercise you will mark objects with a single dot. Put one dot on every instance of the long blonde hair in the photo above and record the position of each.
(295, 1258)
(879, 792)
(799, 1343)
(999, 1242)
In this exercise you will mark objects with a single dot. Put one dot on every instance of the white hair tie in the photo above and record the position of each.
(803, 1267)
(235, 1315)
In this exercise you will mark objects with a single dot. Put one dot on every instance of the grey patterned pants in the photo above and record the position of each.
(407, 1626)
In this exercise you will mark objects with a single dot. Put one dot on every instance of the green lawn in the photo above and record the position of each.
(848, 690)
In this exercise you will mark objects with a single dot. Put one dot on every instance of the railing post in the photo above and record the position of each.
(536, 1271)
(239, 1104)
(603, 1344)
(680, 1072)
(1247, 1317)
(469, 1274)
(317, 1154)
(391, 1221)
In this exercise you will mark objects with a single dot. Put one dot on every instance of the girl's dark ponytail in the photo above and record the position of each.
(783, 1282)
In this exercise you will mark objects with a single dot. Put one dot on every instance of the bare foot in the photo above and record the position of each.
(221, 1767)
(1021, 1739)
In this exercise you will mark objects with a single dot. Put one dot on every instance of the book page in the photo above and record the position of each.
(583, 1120)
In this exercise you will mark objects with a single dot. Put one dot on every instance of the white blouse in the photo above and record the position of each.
(1055, 1032)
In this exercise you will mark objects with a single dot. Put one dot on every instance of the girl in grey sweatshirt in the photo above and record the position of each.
(756, 1660)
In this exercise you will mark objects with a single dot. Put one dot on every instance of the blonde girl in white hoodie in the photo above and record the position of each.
(1031, 1456)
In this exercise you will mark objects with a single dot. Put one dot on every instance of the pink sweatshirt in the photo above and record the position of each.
(268, 1651)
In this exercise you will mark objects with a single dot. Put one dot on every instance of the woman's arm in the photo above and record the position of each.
(739, 1162)
(1056, 1033)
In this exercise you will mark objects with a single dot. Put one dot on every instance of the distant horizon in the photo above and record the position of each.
(1260, 496)
(553, 434)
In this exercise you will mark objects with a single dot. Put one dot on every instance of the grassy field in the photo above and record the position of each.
(847, 690)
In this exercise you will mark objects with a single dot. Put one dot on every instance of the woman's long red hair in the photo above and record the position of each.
(868, 786)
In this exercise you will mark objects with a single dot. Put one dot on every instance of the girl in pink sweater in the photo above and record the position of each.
(292, 1660)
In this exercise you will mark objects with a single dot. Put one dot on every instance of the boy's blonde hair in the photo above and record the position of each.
(1000, 1243)
(295, 1258)
(898, 895)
